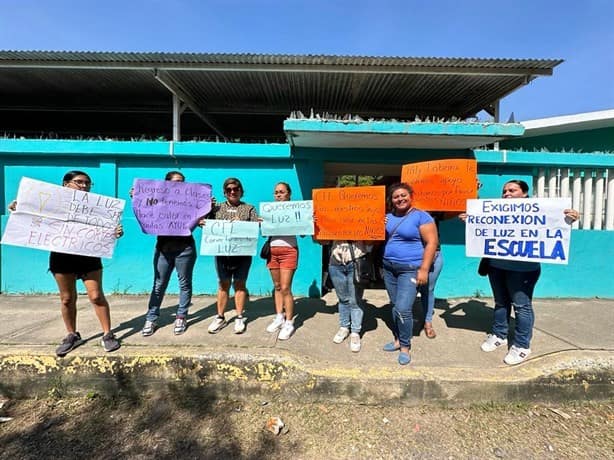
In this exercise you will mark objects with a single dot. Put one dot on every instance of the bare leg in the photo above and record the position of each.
(222, 296)
(67, 285)
(277, 296)
(93, 285)
(240, 296)
(286, 292)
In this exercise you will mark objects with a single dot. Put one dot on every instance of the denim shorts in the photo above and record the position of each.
(232, 267)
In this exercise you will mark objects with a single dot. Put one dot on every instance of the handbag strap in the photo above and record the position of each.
(396, 227)
(352, 250)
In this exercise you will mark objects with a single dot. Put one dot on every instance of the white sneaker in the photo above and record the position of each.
(149, 328)
(277, 323)
(216, 325)
(239, 325)
(492, 342)
(355, 342)
(341, 335)
(516, 355)
(180, 325)
(286, 331)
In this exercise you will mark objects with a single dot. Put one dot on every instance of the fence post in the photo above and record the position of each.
(609, 213)
(576, 194)
(598, 214)
(588, 199)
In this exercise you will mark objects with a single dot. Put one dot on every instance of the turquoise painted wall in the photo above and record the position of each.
(114, 165)
(588, 274)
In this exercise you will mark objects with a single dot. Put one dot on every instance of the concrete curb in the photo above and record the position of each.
(569, 375)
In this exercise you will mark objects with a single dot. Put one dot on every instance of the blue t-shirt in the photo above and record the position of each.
(405, 245)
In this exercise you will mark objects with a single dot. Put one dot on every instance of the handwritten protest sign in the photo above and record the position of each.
(531, 229)
(169, 207)
(63, 219)
(286, 218)
(350, 213)
(229, 238)
(442, 185)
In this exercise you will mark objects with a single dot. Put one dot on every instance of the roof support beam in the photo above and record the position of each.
(178, 109)
(301, 68)
(169, 84)
(255, 110)
(497, 116)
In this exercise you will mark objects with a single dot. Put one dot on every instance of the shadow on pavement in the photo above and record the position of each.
(167, 318)
(473, 315)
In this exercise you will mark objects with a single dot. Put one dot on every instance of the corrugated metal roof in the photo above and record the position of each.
(244, 95)
(286, 59)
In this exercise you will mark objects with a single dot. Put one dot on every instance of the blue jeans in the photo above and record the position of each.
(164, 263)
(427, 291)
(513, 289)
(402, 292)
(349, 295)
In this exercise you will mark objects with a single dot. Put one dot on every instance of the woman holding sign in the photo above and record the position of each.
(172, 252)
(512, 283)
(409, 253)
(232, 269)
(341, 266)
(282, 264)
(67, 269)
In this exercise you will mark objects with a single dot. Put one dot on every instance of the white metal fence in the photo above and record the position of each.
(591, 191)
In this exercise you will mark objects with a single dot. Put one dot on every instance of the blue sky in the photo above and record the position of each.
(581, 32)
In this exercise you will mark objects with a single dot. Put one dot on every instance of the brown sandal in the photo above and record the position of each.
(429, 331)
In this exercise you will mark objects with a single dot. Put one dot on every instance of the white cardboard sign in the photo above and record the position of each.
(62, 219)
(528, 229)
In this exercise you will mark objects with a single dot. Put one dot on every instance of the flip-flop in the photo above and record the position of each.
(404, 358)
(430, 332)
(390, 346)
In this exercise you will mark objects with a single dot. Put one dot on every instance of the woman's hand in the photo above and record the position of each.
(202, 222)
(463, 216)
(12, 206)
(571, 214)
(422, 276)
(119, 231)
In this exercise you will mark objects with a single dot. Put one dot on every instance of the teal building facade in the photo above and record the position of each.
(304, 162)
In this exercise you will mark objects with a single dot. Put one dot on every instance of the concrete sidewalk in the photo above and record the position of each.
(573, 352)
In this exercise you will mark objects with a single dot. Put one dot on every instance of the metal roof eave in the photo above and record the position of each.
(276, 63)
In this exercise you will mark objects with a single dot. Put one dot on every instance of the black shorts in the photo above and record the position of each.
(232, 267)
(73, 264)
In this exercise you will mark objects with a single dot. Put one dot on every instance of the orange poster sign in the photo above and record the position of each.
(350, 213)
(442, 185)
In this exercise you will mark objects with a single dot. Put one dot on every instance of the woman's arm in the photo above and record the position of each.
(428, 233)
(253, 215)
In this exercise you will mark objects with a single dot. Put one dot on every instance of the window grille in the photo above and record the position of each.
(591, 191)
